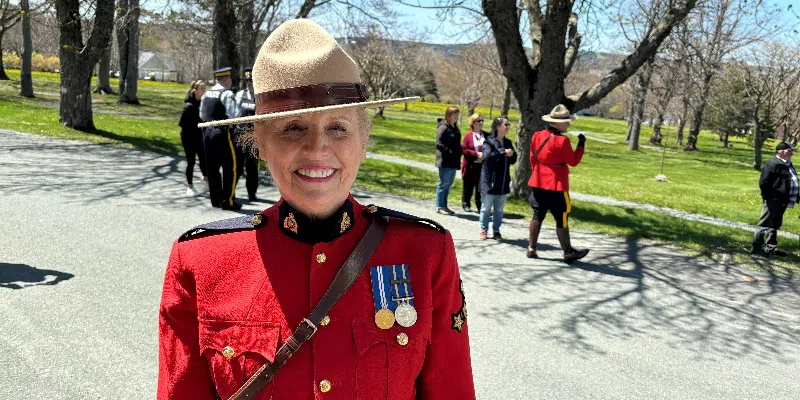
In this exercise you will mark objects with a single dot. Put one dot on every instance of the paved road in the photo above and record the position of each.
(87, 230)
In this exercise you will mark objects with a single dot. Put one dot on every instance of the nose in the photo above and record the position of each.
(316, 143)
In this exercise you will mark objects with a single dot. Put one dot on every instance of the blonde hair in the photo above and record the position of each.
(473, 118)
(195, 85)
(449, 112)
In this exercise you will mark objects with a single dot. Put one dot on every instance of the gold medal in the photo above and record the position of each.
(406, 315)
(384, 318)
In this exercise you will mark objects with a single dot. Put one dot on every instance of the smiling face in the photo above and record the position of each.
(314, 158)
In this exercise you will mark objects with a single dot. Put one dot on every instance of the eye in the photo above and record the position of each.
(293, 130)
(337, 130)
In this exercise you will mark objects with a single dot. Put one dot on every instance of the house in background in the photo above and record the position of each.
(157, 66)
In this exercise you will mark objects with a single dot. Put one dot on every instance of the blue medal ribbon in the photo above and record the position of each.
(381, 288)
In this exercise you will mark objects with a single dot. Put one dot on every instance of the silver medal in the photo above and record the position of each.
(405, 315)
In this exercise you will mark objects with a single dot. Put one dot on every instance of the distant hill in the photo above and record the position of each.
(593, 60)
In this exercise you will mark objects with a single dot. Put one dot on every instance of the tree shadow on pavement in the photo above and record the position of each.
(91, 172)
(633, 291)
(20, 276)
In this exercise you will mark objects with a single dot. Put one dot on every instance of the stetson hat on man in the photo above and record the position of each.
(302, 69)
(559, 114)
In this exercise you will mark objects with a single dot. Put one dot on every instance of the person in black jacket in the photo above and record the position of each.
(779, 190)
(498, 156)
(191, 135)
(448, 157)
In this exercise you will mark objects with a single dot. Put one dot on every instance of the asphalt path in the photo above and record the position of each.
(86, 231)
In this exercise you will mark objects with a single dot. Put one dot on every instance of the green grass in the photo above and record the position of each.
(701, 239)
(709, 182)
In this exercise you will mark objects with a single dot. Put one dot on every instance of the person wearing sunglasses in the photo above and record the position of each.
(498, 156)
(472, 147)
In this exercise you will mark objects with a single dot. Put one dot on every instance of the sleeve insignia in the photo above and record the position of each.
(460, 317)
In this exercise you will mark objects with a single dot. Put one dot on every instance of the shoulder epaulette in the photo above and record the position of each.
(243, 223)
(376, 211)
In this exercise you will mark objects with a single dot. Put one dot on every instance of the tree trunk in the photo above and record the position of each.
(248, 36)
(405, 107)
(26, 87)
(225, 39)
(682, 122)
(491, 109)
(77, 61)
(103, 72)
(3, 76)
(758, 142)
(697, 116)
(506, 100)
(379, 113)
(470, 109)
(725, 137)
(656, 137)
(640, 95)
(128, 42)
(629, 117)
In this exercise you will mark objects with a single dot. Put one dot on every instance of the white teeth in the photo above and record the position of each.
(316, 173)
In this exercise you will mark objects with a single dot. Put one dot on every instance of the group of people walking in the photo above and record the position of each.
(485, 160)
(219, 149)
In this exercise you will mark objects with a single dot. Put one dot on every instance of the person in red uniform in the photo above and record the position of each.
(236, 292)
(551, 155)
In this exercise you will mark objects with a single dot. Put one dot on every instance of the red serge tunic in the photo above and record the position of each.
(233, 297)
(550, 170)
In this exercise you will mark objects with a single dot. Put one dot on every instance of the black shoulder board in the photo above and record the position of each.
(376, 211)
(243, 223)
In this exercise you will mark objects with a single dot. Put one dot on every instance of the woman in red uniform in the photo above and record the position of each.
(319, 296)
(551, 156)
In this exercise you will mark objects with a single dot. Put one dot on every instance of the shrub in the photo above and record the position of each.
(39, 62)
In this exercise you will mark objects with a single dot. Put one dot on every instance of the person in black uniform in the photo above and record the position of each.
(248, 155)
(215, 105)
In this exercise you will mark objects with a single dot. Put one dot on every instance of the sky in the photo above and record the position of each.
(423, 25)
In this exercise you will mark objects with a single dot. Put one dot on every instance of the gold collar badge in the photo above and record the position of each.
(290, 223)
(345, 222)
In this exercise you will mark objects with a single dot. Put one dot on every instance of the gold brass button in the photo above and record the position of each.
(402, 339)
(325, 321)
(321, 257)
(256, 220)
(324, 386)
(228, 352)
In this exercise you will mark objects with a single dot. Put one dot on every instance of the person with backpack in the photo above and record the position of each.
(551, 155)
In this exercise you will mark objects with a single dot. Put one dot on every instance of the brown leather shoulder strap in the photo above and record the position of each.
(536, 154)
(539, 150)
(343, 280)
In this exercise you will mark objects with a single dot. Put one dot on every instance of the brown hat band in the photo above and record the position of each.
(311, 96)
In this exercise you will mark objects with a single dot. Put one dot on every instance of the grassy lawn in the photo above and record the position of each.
(709, 240)
(711, 182)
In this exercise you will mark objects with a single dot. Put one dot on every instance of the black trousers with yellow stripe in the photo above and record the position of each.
(556, 202)
(220, 154)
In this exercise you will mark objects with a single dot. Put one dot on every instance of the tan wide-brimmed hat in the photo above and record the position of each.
(301, 69)
(558, 115)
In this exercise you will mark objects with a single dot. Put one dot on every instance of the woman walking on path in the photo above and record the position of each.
(191, 135)
(551, 155)
(448, 157)
(495, 177)
(472, 147)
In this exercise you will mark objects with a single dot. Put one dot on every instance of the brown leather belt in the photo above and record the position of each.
(312, 96)
(343, 280)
